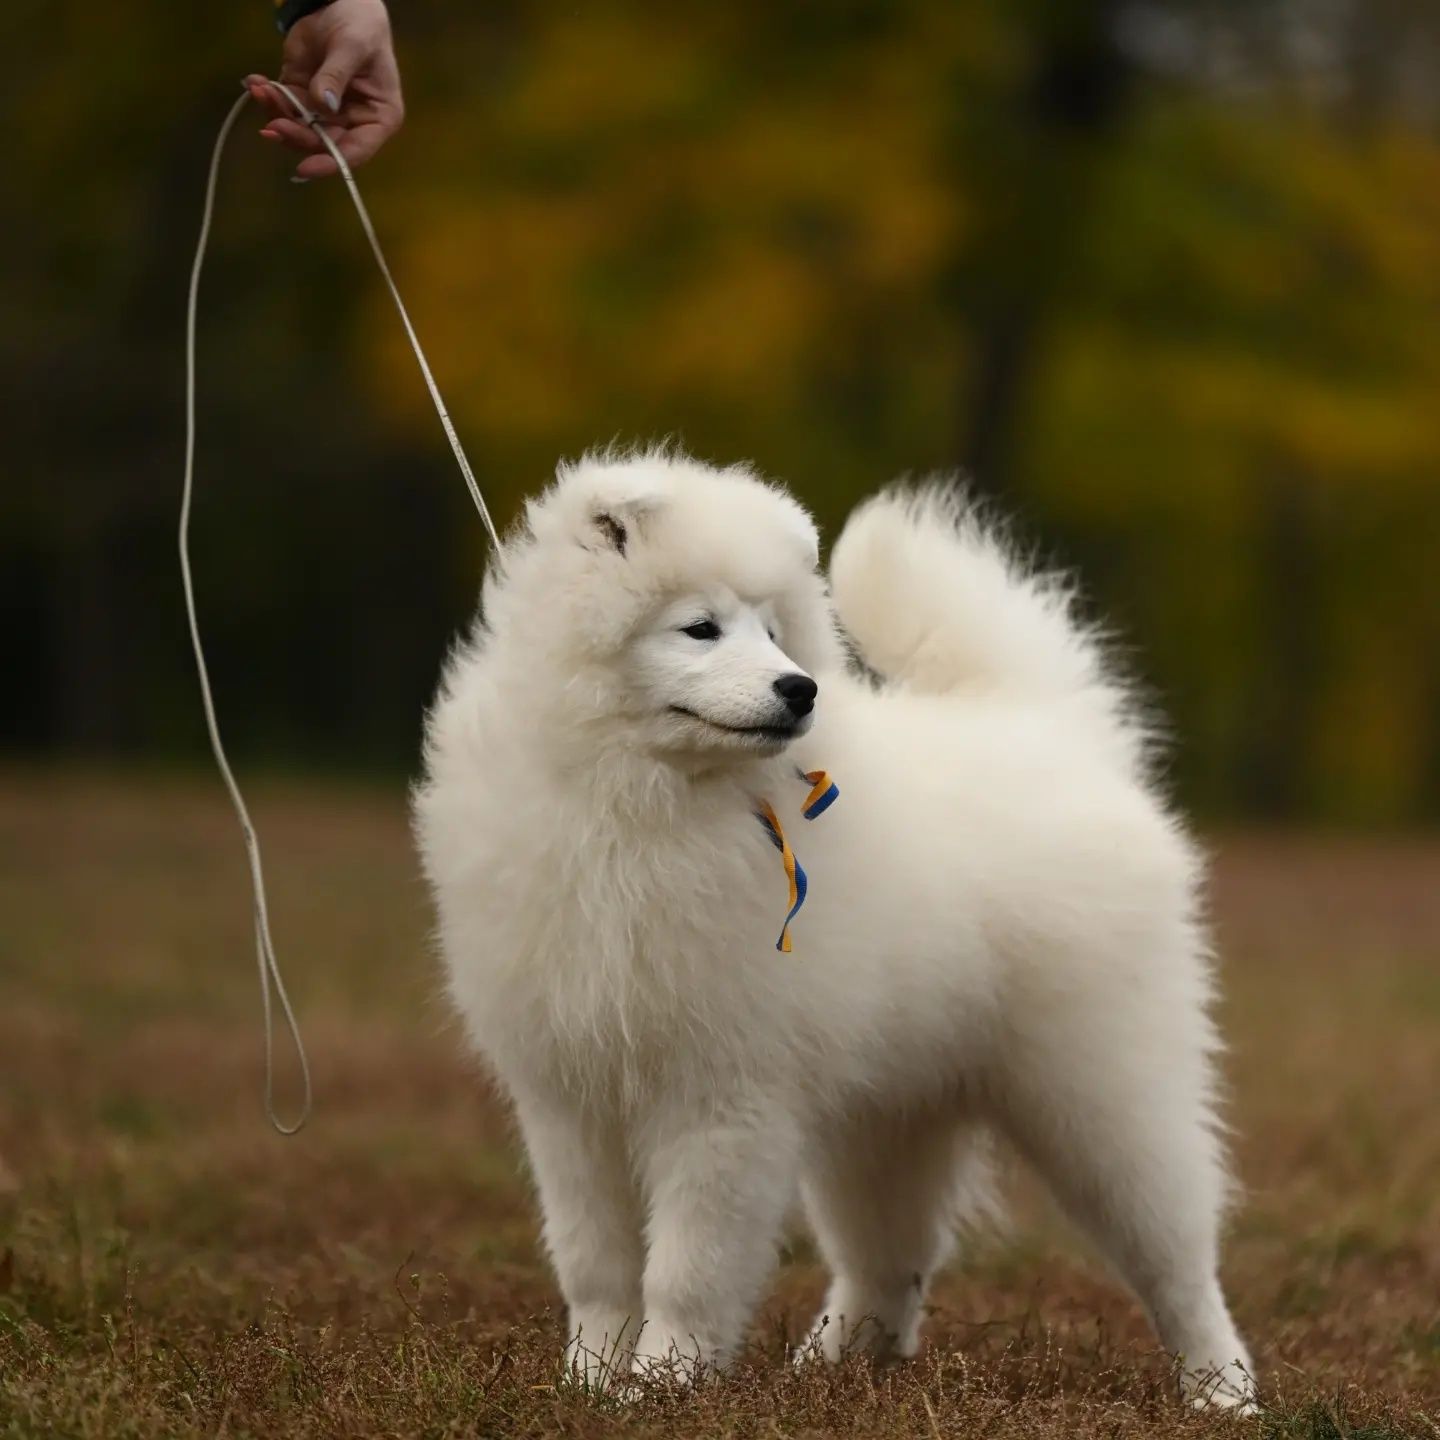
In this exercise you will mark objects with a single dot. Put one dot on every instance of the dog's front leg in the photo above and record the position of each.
(593, 1228)
(717, 1186)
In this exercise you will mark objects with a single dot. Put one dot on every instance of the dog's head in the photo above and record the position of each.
(674, 605)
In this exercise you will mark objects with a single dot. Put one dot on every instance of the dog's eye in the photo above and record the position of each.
(701, 630)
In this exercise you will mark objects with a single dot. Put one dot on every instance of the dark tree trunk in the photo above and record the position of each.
(1033, 189)
(1289, 659)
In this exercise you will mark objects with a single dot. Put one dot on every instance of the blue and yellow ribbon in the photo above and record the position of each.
(822, 796)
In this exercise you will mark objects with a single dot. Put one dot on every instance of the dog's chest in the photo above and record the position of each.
(648, 903)
(623, 939)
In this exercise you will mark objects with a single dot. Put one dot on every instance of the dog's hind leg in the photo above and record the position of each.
(593, 1230)
(884, 1194)
(1109, 1096)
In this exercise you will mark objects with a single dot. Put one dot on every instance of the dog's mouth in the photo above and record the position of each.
(764, 734)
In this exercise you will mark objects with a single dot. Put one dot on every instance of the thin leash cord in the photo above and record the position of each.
(313, 121)
(267, 964)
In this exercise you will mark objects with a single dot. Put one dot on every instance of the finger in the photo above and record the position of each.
(316, 167)
(357, 145)
(292, 109)
(264, 94)
(337, 70)
(278, 104)
(296, 136)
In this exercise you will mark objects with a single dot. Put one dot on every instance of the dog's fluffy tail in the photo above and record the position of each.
(937, 601)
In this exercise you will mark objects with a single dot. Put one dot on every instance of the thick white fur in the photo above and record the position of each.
(1002, 932)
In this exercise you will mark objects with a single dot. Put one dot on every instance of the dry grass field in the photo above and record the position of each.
(168, 1266)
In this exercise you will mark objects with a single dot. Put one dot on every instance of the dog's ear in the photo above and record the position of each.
(615, 523)
(612, 528)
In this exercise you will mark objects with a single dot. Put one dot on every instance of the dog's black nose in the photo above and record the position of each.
(798, 692)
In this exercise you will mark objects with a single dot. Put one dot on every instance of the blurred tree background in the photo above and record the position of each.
(1163, 277)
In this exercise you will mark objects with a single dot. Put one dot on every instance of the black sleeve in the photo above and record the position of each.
(287, 12)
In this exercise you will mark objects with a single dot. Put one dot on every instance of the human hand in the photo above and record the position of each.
(342, 58)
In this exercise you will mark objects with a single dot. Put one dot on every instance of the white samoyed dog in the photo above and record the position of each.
(1002, 933)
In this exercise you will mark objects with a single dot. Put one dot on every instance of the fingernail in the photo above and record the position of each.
(299, 179)
(268, 135)
(332, 102)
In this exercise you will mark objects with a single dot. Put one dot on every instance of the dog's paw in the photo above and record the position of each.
(598, 1356)
(663, 1357)
(833, 1337)
(1224, 1387)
